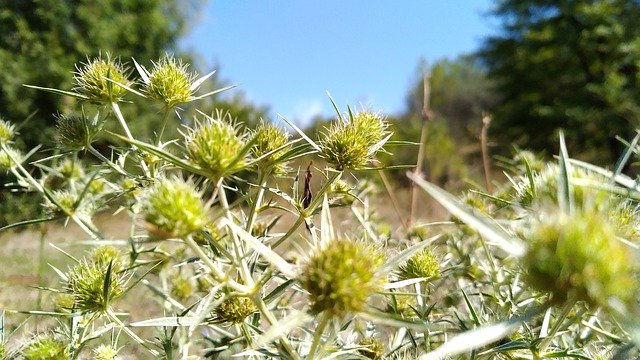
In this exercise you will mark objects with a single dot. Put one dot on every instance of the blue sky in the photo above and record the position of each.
(287, 54)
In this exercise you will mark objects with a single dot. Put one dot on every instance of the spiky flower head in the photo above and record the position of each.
(215, 145)
(107, 254)
(94, 285)
(423, 264)
(372, 348)
(182, 287)
(6, 162)
(105, 352)
(267, 138)
(175, 208)
(350, 145)
(63, 202)
(578, 257)
(234, 310)
(91, 80)
(341, 276)
(170, 82)
(7, 131)
(45, 348)
(77, 132)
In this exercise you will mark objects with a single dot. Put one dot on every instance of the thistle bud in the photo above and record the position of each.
(350, 145)
(6, 162)
(105, 352)
(7, 131)
(170, 82)
(371, 348)
(77, 132)
(234, 310)
(175, 208)
(268, 138)
(86, 282)
(341, 276)
(45, 348)
(215, 146)
(91, 80)
(578, 257)
(421, 265)
(182, 288)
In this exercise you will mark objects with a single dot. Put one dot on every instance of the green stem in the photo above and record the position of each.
(237, 246)
(165, 118)
(102, 158)
(218, 275)
(118, 113)
(317, 337)
(257, 299)
(262, 180)
(566, 309)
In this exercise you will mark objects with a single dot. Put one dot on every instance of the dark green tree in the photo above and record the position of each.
(569, 64)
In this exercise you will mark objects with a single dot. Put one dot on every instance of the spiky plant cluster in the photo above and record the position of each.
(105, 352)
(45, 348)
(234, 310)
(215, 146)
(341, 277)
(423, 264)
(267, 139)
(170, 82)
(372, 348)
(7, 131)
(77, 132)
(91, 80)
(95, 284)
(174, 207)
(350, 145)
(578, 257)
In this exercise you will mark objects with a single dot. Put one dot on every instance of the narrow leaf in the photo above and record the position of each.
(565, 189)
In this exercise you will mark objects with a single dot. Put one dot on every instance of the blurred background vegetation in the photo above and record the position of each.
(570, 64)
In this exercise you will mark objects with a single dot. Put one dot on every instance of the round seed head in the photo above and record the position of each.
(105, 352)
(64, 203)
(215, 145)
(341, 276)
(7, 131)
(170, 82)
(77, 132)
(91, 80)
(234, 310)
(175, 208)
(86, 282)
(182, 287)
(422, 264)
(45, 348)
(578, 257)
(372, 348)
(105, 254)
(268, 138)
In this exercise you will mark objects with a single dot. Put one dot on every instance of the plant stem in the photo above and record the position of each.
(237, 246)
(165, 118)
(115, 167)
(317, 337)
(262, 180)
(257, 299)
(556, 327)
(131, 334)
(118, 113)
(218, 275)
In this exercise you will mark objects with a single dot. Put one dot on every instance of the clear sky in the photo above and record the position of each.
(287, 54)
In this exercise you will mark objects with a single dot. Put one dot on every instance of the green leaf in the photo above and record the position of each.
(565, 188)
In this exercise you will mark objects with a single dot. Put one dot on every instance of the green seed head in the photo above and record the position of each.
(7, 131)
(77, 132)
(105, 352)
(45, 348)
(372, 348)
(422, 264)
(5, 158)
(64, 302)
(578, 257)
(91, 80)
(215, 145)
(182, 287)
(105, 254)
(70, 170)
(3, 351)
(341, 276)
(64, 203)
(234, 310)
(86, 282)
(175, 208)
(170, 82)
(268, 138)
(350, 145)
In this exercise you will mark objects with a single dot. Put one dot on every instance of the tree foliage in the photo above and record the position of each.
(569, 64)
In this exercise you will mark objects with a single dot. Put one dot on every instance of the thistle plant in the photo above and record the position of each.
(216, 254)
